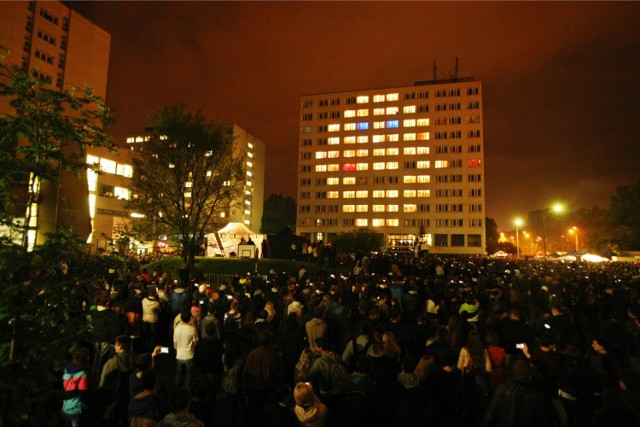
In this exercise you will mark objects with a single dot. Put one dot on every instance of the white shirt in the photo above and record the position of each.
(185, 338)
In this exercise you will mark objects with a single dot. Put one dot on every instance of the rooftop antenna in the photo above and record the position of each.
(453, 75)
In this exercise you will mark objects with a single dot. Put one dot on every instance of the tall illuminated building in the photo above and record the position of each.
(61, 47)
(407, 162)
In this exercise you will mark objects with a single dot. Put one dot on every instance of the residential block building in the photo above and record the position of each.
(407, 162)
(61, 47)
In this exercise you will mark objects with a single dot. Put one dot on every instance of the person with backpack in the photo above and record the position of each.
(358, 346)
(329, 374)
(116, 372)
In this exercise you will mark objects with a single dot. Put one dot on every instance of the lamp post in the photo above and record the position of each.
(518, 223)
(574, 230)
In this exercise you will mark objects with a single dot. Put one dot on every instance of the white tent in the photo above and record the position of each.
(227, 240)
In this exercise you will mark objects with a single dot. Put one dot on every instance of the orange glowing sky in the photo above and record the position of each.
(561, 80)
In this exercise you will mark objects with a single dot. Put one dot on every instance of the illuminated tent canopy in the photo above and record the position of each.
(226, 241)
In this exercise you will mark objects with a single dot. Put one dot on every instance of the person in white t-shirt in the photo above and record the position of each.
(185, 337)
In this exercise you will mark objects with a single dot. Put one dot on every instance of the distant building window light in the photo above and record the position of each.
(349, 113)
(363, 139)
(349, 167)
(349, 153)
(362, 166)
(334, 167)
(409, 193)
(362, 208)
(423, 150)
(362, 194)
(409, 151)
(409, 179)
(321, 168)
(407, 109)
(423, 164)
(335, 140)
(363, 112)
(409, 137)
(378, 138)
(378, 111)
(335, 127)
(362, 222)
(392, 110)
(333, 154)
(423, 122)
(348, 180)
(378, 98)
(333, 194)
(377, 222)
(379, 152)
(378, 194)
(378, 125)
(392, 97)
(423, 136)
(349, 126)
(378, 166)
(348, 208)
(378, 208)
(392, 193)
(363, 126)
(362, 99)
(350, 194)
(409, 123)
(440, 164)
(474, 163)
(392, 124)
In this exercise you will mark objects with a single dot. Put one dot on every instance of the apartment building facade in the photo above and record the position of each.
(407, 162)
(61, 47)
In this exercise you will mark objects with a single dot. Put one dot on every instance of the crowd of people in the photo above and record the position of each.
(442, 341)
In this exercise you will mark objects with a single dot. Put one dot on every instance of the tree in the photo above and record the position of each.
(44, 301)
(492, 235)
(279, 212)
(184, 178)
(359, 240)
(43, 137)
(624, 217)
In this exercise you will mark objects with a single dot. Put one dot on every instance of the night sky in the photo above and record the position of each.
(561, 80)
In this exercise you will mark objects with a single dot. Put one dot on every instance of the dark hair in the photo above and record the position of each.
(124, 341)
(323, 343)
(185, 316)
(148, 379)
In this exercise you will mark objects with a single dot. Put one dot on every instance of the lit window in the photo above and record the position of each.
(378, 98)
(321, 168)
(335, 127)
(93, 160)
(378, 166)
(362, 153)
(423, 122)
(439, 164)
(409, 179)
(362, 222)
(362, 166)
(349, 153)
(362, 194)
(250, 154)
(409, 193)
(124, 193)
(334, 167)
(410, 208)
(393, 137)
(423, 164)
(377, 222)
(333, 154)
(409, 137)
(409, 151)
(474, 163)
(349, 113)
(249, 164)
(392, 208)
(349, 126)
(333, 194)
(392, 97)
(378, 125)
(378, 138)
(348, 208)
(209, 173)
(392, 110)
(392, 151)
(424, 193)
(378, 194)
(378, 111)
(379, 152)
(349, 139)
(423, 136)
(362, 99)
(187, 194)
(363, 126)
(364, 112)
(333, 181)
(423, 150)
(392, 222)
(424, 179)
(321, 154)
(362, 139)
(335, 140)
(392, 165)
(349, 167)
(362, 208)
(108, 166)
(392, 193)
(409, 123)
(349, 194)
(349, 180)
(408, 109)
(378, 208)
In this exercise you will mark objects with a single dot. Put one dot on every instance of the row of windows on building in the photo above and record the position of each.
(388, 222)
(406, 208)
(392, 111)
(388, 165)
(387, 193)
(390, 179)
(391, 97)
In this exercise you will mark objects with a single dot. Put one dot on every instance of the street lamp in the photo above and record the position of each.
(518, 222)
(574, 231)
